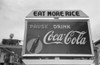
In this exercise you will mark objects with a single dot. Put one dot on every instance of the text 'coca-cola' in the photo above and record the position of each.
(54, 38)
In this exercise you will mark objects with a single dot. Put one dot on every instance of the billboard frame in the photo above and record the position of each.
(57, 55)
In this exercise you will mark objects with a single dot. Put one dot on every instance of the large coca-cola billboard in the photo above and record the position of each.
(58, 37)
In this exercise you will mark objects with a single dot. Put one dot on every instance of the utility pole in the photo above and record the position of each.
(96, 59)
(96, 53)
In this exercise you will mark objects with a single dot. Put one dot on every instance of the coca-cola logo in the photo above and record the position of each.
(72, 37)
(34, 46)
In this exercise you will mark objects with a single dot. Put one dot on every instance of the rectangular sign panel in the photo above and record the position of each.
(58, 36)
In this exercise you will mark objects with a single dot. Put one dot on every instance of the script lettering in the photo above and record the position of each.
(72, 37)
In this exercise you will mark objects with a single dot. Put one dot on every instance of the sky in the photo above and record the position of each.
(13, 13)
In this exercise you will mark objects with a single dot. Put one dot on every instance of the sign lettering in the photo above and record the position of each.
(67, 38)
(56, 13)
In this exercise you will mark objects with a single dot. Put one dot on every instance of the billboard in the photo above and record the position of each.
(57, 37)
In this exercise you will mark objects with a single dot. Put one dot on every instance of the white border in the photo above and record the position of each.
(56, 17)
(60, 55)
(90, 34)
(24, 44)
(58, 62)
(86, 55)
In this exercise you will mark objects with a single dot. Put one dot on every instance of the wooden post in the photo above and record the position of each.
(96, 59)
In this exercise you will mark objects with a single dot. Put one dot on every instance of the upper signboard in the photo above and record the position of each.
(56, 13)
(57, 37)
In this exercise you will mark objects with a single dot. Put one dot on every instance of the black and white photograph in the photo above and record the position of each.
(49, 32)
